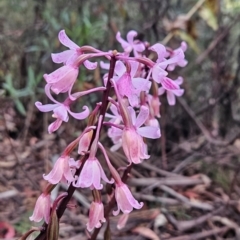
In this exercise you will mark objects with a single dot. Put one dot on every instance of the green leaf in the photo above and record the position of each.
(20, 107)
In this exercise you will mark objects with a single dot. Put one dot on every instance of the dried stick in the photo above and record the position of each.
(183, 226)
(201, 235)
(200, 124)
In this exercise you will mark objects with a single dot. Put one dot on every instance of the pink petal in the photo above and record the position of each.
(103, 175)
(130, 36)
(46, 107)
(63, 38)
(90, 65)
(169, 84)
(96, 216)
(139, 47)
(158, 73)
(56, 75)
(161, 91)
(62, 57)
(125, 44)
(96, 175)
(178, 56)
(48, 93)
(171, 98)
(56, 174)
(84, 142)
(54, 126)
(61, 113)
(132, 114)
(122, 221)
(133, 202)
(184, 46)
(142, 116)
(179, 80)
(149, 132)
(81, 115)
(141, 84)
(120, 68)
(134, 67)
(160, 50)
(178, 92)
(133, 100)
(183, 63)
(104, 65)
(66, 81)
(124, 85)
(114, 110)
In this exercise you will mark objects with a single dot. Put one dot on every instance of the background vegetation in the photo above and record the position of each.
(200, 135)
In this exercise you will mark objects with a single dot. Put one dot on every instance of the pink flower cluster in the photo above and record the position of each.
(135, 113)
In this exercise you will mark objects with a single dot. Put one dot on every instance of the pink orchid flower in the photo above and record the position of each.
(91, 175)
(172, 88)
(61, 110)
(62, 79)
(125, 200)
(61, 171)
(182, 62)
(132, 136)
(158, 70)
(131, 44)
(70, 56)
(42, 209)
(96, 216)
(127, 84)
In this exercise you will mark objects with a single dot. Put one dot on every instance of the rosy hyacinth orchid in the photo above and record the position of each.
(60, 172)
(132, 136)
(128, 85)
(42, 209)
(131, 44)
(182, 62)
(61, 110)
(158, 70)
(62, 79)
(96, 216)
(91, 175)
(172, 88)
(125, 200)
(70, 56)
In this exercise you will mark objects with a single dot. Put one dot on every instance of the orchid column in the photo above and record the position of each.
(134, 117)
